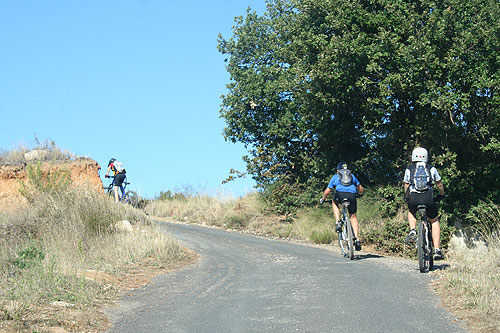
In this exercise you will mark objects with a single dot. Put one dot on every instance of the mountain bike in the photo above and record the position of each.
(424, 242)
(346, 234)
(128, 197)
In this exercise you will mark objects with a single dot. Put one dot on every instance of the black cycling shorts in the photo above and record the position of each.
(119, 178)
(425, 198)
(339, 196)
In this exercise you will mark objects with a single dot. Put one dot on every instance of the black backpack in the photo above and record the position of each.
(420, 176)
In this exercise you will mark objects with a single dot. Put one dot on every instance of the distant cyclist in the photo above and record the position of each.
(346, 185)
(119, 173)
(418, 185)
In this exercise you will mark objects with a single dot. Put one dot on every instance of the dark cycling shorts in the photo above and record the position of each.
(339, 196)
(119, 178)
(425, 198)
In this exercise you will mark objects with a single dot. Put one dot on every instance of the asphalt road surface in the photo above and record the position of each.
(244, 283)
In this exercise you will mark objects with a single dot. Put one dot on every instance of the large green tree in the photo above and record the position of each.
(313, 82)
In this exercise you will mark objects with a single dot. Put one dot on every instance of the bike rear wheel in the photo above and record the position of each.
(424, 247)
(350, 237)
(132, 199)
(343, 240)
(346, 236)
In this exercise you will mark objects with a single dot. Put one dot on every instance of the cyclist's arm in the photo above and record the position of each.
(360, 189)
(326, 193)
(406, 185)
(107, 173)
(440, 186)
(406, 180)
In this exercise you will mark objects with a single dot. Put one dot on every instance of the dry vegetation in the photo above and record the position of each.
(471, 286)
(68, 252)
(44, 151)
(245, 213)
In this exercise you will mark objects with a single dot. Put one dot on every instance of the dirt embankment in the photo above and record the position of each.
(82, 170)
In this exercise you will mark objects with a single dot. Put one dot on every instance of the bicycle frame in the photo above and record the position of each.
(110, 187)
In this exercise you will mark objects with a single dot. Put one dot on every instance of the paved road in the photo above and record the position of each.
(245, 283)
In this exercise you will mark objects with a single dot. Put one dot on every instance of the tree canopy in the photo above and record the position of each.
(313, 82)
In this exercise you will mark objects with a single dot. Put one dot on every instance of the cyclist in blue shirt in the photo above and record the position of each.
(342, 191)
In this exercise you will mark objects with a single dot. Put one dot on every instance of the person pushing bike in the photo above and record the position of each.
(346, 185)
(418, 181)
(119, 173)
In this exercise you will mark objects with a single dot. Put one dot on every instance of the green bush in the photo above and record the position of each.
(43, 183)
(168, 195)
(28, 256)
(389, 237)
(236, 221)
(287, 196)
(391, 199)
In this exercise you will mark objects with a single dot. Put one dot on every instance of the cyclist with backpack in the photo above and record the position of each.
(346, 185)
(119, 173)
(418, 185)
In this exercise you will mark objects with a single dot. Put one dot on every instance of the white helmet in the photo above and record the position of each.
(419, 154)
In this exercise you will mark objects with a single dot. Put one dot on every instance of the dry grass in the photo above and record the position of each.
(49, 152)
(45, 247)
(471, 286)
(210, 210)
(246, 213)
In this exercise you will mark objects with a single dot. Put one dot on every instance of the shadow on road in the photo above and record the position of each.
(441, 266)
(367, 256)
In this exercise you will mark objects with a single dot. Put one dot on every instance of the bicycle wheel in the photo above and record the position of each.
(423, 248)
(110, 191)
(132, 199)
(343, 240)
(350, 237)
(430, 247)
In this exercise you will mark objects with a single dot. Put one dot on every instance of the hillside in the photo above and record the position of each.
(81, 170)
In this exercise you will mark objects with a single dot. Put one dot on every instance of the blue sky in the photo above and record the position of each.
(136, 80)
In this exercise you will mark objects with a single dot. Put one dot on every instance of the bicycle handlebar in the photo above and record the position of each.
(106, 176)
(113, 177)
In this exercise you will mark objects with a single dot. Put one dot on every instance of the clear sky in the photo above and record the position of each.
(136, 80)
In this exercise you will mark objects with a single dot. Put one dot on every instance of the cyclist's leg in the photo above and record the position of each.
(336, 211)
(355, 226)
(118, 185)
(412, 220)
(115, 188)
(436, 232)
(432, 213)
(353, 209)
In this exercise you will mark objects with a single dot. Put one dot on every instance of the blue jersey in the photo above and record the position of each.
(335, 183)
